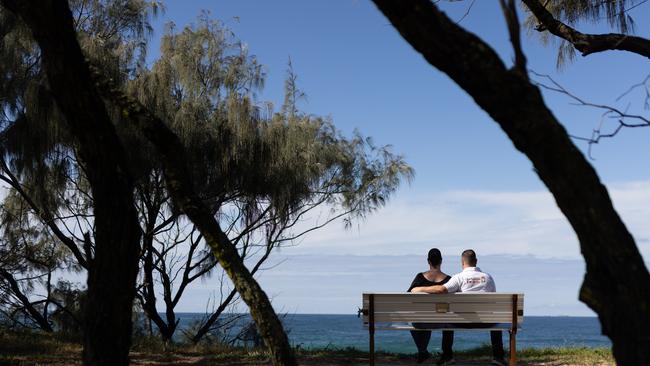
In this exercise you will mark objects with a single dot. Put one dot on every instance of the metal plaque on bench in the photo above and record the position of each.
(442, 307)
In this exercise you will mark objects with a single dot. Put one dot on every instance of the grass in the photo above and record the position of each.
(31, 349)
(551, 356)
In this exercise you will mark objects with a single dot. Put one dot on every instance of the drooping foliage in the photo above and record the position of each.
(259, 170)
(204, 84)
(615, 12)
(578, 12)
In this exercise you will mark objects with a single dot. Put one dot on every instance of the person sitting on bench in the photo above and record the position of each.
(471, 279)
(434, 276)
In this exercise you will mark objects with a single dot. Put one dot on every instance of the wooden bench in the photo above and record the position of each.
(458, 311)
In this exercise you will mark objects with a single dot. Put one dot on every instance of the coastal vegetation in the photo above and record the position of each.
(26, 349)
(144, 178)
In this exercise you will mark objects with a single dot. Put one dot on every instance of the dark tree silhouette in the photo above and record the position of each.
(506, 94)
(113, 271)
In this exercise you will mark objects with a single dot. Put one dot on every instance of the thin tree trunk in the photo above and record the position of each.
(205, 327)
(112, 272)
(39, 318)
(149, 295)
(616, 284)
(149, 302)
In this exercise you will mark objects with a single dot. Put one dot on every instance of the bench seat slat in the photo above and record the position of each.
(436, 317)
(492, 297)
(448, 318)
(453, 307)
(405, 326)
(431, 300)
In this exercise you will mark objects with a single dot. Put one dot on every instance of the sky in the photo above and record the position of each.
(472, 189)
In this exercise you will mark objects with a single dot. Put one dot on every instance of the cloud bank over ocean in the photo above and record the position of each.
(333, 284)
(510, 223)
(521, 238)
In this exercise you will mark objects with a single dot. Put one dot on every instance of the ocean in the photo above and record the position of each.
(339, 331)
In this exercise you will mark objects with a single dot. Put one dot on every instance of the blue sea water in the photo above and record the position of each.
(337, 331)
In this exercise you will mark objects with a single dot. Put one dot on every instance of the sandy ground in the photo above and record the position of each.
(202, 361)
(459, 363)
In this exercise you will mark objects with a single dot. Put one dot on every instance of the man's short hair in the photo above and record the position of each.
(469, 257)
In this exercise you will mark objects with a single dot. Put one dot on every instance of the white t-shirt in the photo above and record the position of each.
(471, 279)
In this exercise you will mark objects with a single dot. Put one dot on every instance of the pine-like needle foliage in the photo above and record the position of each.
(577, 12)
(259, 169)
(203, 85)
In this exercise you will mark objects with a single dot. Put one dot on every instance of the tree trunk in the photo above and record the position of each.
(180, 187)
(111, 281)
(149, 291)
(205, 327)
(112, 272)
(616, 284)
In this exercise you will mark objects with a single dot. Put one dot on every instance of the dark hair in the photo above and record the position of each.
(469, 257)
(434, 257)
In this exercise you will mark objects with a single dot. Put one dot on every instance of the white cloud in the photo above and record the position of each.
(513, 223)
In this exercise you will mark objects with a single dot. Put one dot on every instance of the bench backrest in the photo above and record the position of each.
(457, 308)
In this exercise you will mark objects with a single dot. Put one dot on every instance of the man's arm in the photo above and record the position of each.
(436, 289)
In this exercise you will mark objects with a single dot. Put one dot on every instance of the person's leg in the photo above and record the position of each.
(497, 344)
(447, 342)
(421, 339)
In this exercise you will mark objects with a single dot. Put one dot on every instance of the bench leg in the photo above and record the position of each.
(371, 328)
(513, 349)
(372, 347)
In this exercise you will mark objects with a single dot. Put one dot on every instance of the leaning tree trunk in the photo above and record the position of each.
(112, 272)
(616, 284)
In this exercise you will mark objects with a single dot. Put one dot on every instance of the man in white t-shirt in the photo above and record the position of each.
(471, 279)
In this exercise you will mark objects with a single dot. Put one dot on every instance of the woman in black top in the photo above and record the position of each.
(434, 276)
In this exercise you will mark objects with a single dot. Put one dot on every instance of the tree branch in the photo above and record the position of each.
(510, 13)
(27, 305)
(43, 214)
(583, 42)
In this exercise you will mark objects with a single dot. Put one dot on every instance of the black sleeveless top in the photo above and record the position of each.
(420, 280)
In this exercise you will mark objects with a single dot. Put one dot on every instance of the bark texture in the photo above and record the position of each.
(583, 42)
(112, 272)
(616, 283)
